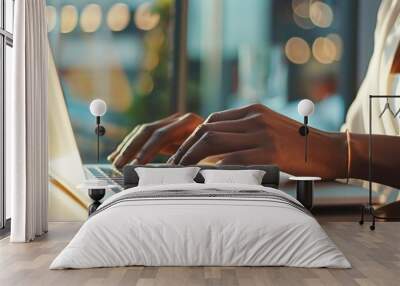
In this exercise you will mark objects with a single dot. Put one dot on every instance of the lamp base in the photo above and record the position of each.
(96, 195)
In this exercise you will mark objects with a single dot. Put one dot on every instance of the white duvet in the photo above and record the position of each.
(200, 231)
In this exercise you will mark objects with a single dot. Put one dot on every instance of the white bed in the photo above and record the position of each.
(207, 230)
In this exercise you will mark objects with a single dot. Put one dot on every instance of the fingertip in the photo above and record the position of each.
(119, 162)
(184, 161)
(113, 154)
(111, 157)
(176, 160)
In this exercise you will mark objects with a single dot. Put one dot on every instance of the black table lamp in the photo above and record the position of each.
(305, 108)
(98, 108)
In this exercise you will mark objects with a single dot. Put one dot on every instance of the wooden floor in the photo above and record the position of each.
(375, 257)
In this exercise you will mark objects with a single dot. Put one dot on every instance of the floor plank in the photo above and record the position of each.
(375, 257)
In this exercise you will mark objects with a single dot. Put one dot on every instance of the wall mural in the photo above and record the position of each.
(244, 83)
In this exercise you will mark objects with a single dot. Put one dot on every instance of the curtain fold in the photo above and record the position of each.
(26, 123)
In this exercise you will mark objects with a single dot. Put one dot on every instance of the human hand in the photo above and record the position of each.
(145, 141)
(257, 135)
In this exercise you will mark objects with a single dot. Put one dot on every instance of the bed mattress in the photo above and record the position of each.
(201, 225)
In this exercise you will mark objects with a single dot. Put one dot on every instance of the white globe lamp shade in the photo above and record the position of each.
(305, 107)
(98, 107)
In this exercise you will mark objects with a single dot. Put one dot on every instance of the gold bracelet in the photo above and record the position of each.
(348, 155)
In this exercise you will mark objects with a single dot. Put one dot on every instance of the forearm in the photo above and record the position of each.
(385, 158)
(257, 135)
(329, 157)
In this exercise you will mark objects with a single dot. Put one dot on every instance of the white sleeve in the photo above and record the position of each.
(375, 81)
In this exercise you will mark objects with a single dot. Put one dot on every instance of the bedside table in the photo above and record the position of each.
(96, 191)
(305, 189)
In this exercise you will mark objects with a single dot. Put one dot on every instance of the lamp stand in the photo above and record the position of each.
(100, 131)
(303, 130)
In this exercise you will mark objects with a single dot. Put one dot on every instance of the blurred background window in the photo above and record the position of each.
(131, 53)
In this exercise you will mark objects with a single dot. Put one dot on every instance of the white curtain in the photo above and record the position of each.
(26, 123)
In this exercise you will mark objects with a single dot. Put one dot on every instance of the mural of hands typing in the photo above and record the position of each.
(249, 135)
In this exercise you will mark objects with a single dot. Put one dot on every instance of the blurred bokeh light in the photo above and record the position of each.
(297, 50)
(91, 17)
(118, 17)
(145, 19)
(301, 8)
(324, 50)
(69, 18)
(321, 14)
(51, 15)
(337, 40)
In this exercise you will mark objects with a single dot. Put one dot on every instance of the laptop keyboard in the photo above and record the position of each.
(110, 172)
(110, 175)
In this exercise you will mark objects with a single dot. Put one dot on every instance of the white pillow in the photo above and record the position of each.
(163, 176)
(248, 177)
